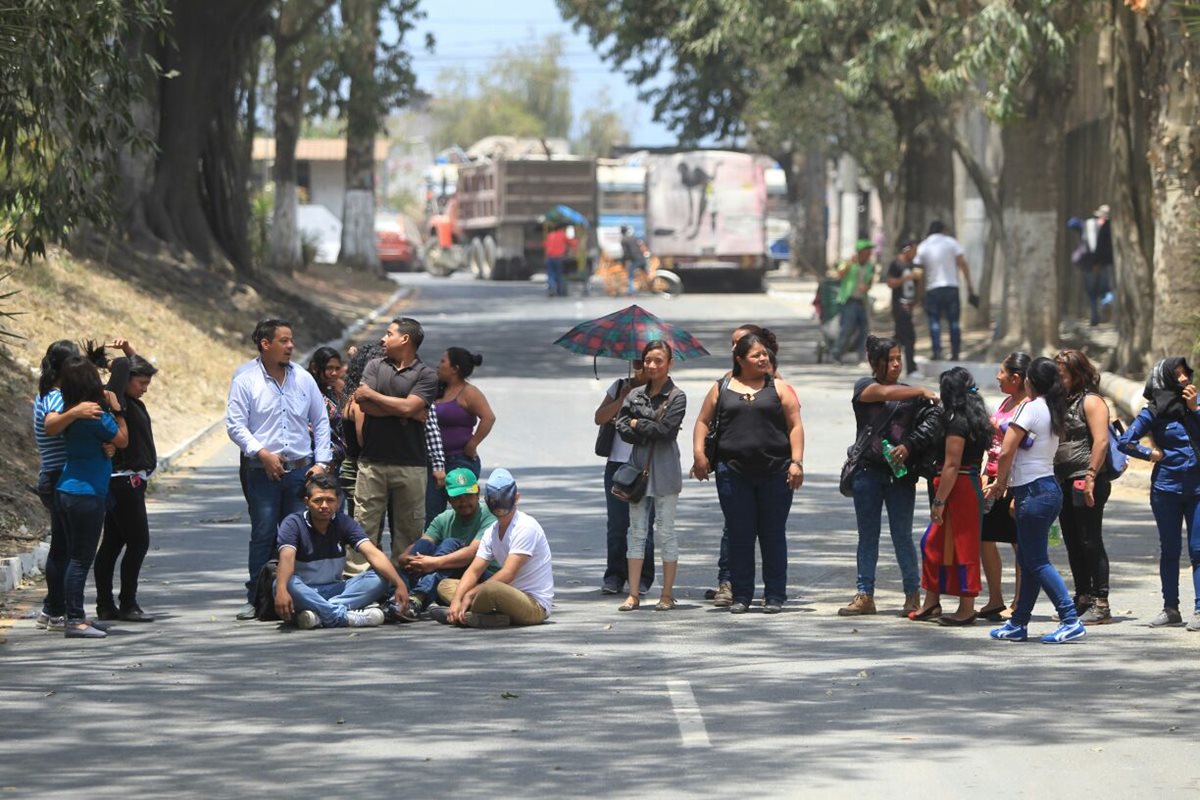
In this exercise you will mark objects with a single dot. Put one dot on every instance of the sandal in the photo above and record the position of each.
(665, 605)
(929, 613)
(992, 613)
(629, 605)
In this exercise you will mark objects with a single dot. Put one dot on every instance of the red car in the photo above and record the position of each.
(398, 242)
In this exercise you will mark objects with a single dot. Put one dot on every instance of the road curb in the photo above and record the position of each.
(15, 569)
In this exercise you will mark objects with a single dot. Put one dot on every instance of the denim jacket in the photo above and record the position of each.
(1179, 470)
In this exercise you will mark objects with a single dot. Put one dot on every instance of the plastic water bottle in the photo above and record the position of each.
(899, 470)
(1055, 534)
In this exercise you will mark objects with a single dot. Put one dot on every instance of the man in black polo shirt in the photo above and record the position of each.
(395, 395)
(313, 545)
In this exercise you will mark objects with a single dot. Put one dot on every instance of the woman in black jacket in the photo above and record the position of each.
(125, 524)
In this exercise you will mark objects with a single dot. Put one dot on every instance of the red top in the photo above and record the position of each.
(556, 243)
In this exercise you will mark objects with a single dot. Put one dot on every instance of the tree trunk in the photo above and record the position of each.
(197, 200)
(928, 183)
(359, 250)
(1175, 161)
(1032, 180)
(1133, 221)
(804, 174)
(285, 254)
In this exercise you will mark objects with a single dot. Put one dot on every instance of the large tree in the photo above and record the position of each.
(379, 72)
(66, 107)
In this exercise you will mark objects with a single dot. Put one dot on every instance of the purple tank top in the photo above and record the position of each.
(457, 426)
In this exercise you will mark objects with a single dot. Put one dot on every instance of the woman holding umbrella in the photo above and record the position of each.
(758, 463)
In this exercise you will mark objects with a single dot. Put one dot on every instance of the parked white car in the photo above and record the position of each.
(321, 226)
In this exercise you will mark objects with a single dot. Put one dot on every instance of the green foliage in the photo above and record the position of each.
(262, 210)
(601, 128)
(65, 112)
(523, 92)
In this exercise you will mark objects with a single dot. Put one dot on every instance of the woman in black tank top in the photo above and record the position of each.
(759, 465)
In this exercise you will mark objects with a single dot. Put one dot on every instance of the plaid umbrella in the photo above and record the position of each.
(623, 334)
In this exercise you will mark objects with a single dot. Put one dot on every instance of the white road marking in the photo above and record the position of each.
(692, 732)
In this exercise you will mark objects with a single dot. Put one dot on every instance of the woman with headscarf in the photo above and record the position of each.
(1172, 420)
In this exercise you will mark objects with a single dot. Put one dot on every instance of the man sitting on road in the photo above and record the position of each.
(522, 591)
(449, 544)
(312, 556)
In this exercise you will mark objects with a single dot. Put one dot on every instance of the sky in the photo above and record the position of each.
(470, 32)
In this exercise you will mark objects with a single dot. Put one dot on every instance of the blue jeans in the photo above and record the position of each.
(631, 268)
(723, 558)
(1095, 283)
(616, 572)
(435, 496)
(331, 601)
(427, 584)
(756, 509)
(1037, 505)
(83, 520)
(854, 323)
(1171, 511)
(556, 285)
(269, 502)
(874, 488)
(56, 559)
(944, 302)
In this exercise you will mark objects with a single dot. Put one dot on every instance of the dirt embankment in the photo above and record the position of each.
(194, 325)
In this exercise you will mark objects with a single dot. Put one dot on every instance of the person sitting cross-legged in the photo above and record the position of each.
(448, 545)
(312, 555)
(522, 592)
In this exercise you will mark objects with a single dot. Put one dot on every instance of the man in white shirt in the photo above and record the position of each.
(941, 258)
(277, 418)
(522, 592)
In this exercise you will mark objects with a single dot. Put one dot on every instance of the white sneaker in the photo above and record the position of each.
(307, 620)
(367, 618)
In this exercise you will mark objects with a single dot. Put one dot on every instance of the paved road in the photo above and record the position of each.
(686, 703)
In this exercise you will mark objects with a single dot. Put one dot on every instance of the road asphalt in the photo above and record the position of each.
(687, 703)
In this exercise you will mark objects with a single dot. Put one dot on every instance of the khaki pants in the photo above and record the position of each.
(495, 597)
(375, 485)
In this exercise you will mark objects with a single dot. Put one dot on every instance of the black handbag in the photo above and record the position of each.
(608, 431)
(867, 439)
(713, 438)
(630, 483)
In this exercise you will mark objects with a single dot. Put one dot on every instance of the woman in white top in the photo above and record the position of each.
(1027, 461)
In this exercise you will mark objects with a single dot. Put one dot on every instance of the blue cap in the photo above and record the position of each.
(501, 490)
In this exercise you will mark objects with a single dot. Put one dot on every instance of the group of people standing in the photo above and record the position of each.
(96, 446)
(1043, 457)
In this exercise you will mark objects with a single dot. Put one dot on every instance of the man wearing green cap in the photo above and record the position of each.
(449, 543)
(857, 275)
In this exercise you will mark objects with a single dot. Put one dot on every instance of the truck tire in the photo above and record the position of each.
(435, 259)
(500, 269)
(477, 262)
(666, 284)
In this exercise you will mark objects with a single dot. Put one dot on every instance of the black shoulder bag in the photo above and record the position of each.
(862, 443)
(713, 438)
(608, 431)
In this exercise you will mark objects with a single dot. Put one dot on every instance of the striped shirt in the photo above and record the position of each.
(52, 449)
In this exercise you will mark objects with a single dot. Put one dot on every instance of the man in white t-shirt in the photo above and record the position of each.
(522, 592)
(941, 258)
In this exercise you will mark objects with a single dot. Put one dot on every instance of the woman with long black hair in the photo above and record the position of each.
(950, 547)
(1027, 460)
(329, 372)
(759, 465)
(82, 490)
(126, 527)
(464, 419)
(1172, 419)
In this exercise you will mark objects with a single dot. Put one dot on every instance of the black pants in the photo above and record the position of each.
(906, 334)
(125, 528)
(1081, 533)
